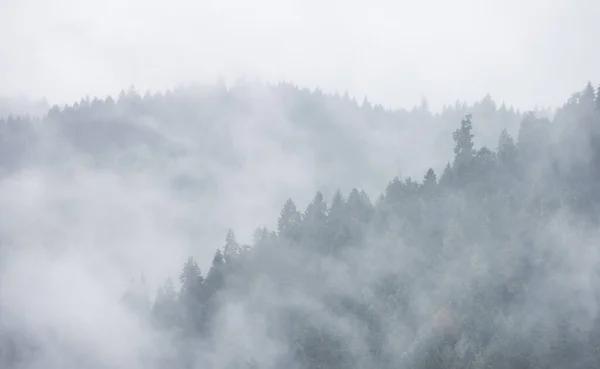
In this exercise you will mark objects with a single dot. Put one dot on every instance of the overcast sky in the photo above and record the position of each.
(395, 51)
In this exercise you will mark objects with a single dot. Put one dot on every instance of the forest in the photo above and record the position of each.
(480, 254)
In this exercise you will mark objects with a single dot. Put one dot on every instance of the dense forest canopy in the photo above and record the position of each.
(217, 146)
(208, 114)
(487, 259)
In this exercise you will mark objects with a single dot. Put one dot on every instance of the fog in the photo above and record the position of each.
(395, 52)
(299, 185)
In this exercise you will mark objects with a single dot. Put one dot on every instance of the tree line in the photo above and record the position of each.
(475, 266)
(491, 244)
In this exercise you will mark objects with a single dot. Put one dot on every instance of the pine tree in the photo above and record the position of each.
(447, 178)
(215, 279)
(192, 289)
(359, 206)
(289, 221)
(507, 151)
(507, 155)
(463, 143)
(231, 249)
(588, 97)
(430, 179)
(190, 273)
(463, 152)
(314, 225)
(337, 224)
(337, 207)
(316, 212)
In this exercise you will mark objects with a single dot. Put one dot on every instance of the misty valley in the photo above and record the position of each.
(269, 226)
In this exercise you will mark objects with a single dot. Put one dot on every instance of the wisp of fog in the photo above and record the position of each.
(168, 199)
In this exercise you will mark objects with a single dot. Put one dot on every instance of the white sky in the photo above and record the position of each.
(395, 51)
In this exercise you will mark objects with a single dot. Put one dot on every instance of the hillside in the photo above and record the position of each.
(484, 262)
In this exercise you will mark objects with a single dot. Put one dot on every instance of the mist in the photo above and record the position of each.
(395, 53)
(315, 185)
